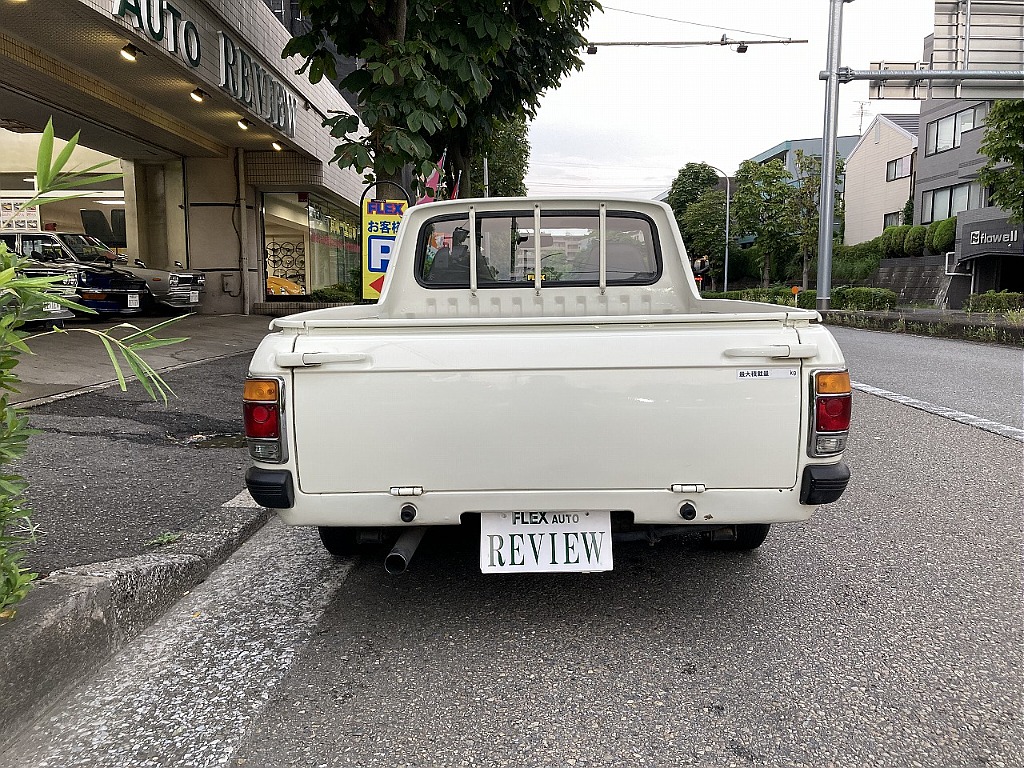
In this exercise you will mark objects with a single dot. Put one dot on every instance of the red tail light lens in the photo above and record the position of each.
(833, 413)
(261, 420)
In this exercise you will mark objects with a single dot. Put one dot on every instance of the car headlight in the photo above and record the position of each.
(200, 280)
(70, 278)
(173, 280)
(83, 278)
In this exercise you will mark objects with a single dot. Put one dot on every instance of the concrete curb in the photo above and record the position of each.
(78, 617)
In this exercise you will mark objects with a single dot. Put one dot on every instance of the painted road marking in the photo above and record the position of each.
(947, 413)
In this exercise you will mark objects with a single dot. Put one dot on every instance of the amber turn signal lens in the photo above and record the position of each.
(833, 383)
(260, 390)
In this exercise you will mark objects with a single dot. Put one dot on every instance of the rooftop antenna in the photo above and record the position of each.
(861, 111)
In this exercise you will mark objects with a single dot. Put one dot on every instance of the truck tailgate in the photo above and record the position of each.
(547, 408)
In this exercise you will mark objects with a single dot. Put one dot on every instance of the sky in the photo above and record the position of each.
(633, 116)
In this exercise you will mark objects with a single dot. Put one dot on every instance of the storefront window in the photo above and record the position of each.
(309, 244)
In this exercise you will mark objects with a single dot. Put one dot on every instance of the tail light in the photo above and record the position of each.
(261, 412)
(830, 412)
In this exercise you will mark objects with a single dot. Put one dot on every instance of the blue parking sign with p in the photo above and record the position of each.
(379, 253)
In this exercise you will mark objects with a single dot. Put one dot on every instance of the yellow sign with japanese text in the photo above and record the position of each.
(381, 219)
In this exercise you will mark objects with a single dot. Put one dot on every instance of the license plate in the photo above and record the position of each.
(521, 542)
(51, 306)
(193, 297)
(133, 300)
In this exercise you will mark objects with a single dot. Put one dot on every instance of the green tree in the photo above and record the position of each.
(907, 216)
(690, 183)
(1004, 145)
(21, 299)
(763, 204)
(705, 220)
(806, 202)
(508, 158)
(436, 74)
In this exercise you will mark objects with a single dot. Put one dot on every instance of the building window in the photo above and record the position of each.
(897, 169)
(891, 219)
(938, 204)
(945, 133)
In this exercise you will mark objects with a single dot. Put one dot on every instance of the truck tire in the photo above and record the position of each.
(750, 536)
(340, 542)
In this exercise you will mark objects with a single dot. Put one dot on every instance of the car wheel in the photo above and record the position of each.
(750, 536)
(340, 542)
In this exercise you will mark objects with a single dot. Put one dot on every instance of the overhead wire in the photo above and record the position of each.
(693, 23)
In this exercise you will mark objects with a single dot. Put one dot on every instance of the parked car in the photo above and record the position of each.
(52, 313)
(177, 289)
(99, 287)
(279, 286)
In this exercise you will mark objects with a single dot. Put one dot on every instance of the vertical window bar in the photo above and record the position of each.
(536, 247)
(472, 250)
(603, 238)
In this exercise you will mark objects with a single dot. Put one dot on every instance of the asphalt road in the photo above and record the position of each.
(110, 473)
(985, 380)
(885, 631)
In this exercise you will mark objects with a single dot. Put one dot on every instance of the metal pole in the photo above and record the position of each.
(826, 203)
(487, 184)
(725, 270)
(725, 267)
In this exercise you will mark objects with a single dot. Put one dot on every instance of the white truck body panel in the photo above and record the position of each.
(626, 397)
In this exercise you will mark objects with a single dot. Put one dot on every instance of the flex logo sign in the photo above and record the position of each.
(162, 22)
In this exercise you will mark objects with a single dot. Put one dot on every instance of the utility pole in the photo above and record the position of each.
(827, 199)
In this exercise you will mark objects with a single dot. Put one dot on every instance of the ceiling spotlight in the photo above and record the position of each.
(131, 53)
(276, 145)
(591, 49)
(741, 48)
(244, 124)
(198, 95)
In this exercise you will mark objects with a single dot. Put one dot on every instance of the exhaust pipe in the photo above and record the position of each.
(398, 558)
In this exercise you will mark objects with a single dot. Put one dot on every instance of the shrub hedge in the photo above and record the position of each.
(914, 244)
(339, 292)
(842, 298)
(1003, 301)
(945, 235)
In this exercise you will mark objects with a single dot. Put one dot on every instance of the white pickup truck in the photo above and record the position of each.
(565, 387)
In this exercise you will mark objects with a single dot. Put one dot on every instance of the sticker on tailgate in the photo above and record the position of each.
(537, 541)
(767, 373)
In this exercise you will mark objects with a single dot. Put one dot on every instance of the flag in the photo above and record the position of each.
(455, 190)
(433, 181)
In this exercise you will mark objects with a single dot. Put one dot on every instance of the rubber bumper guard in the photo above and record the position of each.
(271, 488)
(823, 483)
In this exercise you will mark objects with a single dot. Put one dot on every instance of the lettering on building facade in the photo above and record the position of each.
(248, 82)
(163, 23)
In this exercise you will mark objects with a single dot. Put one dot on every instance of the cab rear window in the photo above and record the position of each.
(510, 250)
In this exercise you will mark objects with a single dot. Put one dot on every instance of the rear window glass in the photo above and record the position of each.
(507, 252)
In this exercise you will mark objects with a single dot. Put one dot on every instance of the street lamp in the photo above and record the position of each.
(725, 269)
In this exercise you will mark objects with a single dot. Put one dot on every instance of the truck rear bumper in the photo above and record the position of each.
(823, 483)
(275, 488)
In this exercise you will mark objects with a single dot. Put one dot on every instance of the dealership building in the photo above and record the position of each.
(222, 146)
